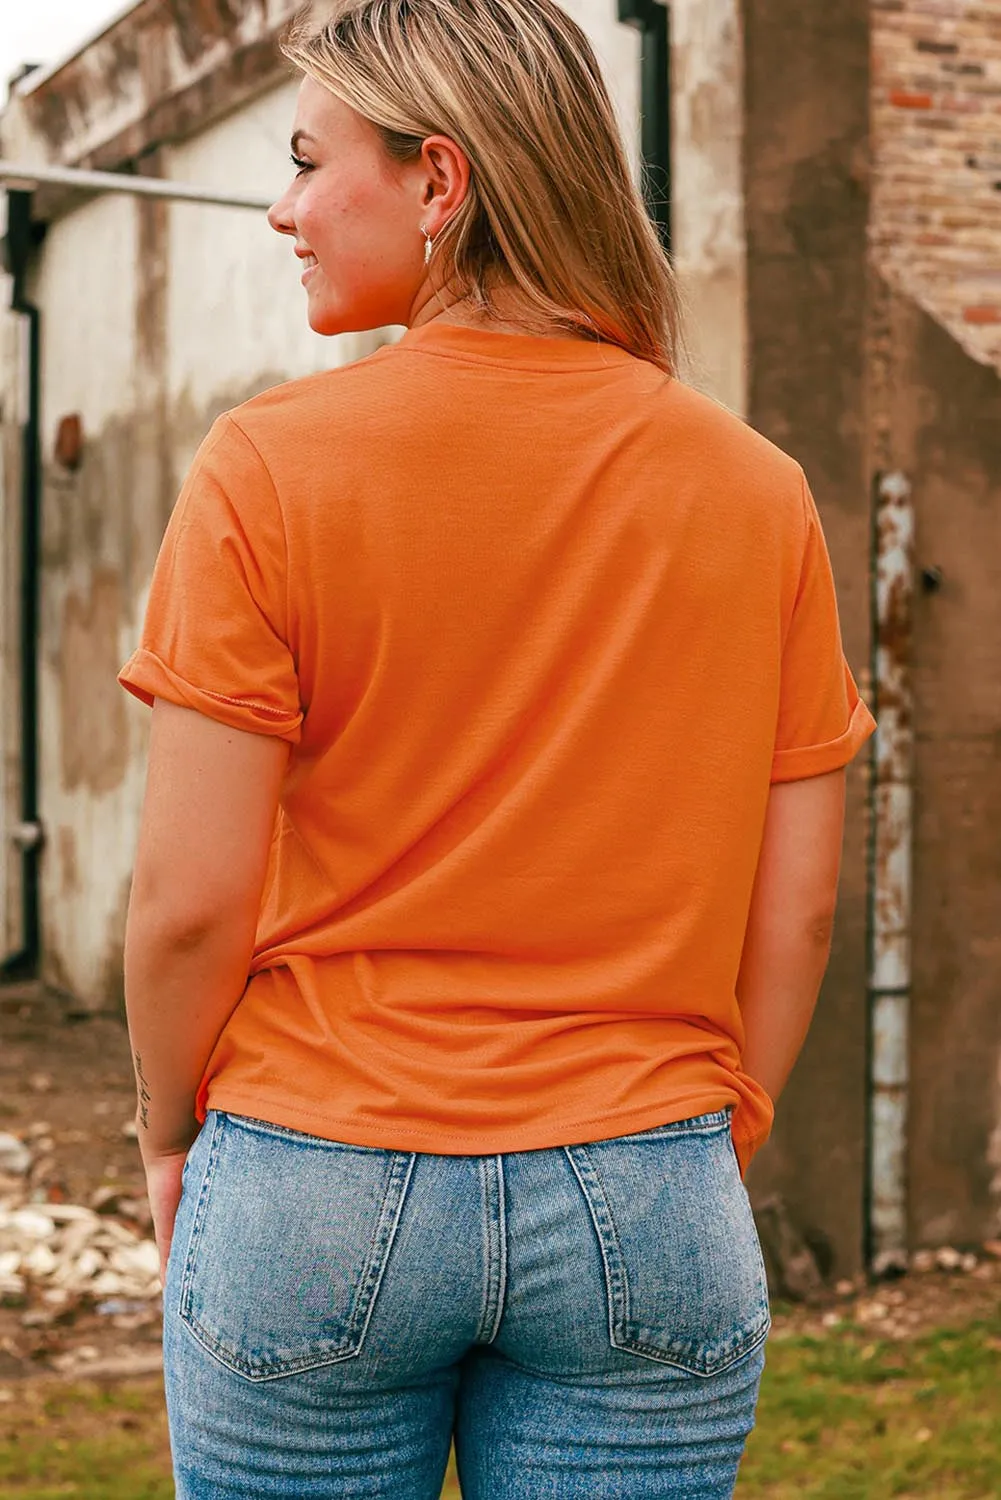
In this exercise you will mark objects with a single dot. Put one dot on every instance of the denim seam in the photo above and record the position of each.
(197, 1219)
(501, 1251)
(744, 1341)
(255, 1126)
(616, 1290)
(485, 1242)
(278, 1371)
(400, 1173)
(583, 1132)
(489, 1317)
(712, 1123)
(637, 1378)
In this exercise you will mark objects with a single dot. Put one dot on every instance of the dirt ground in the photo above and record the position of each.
(66, 1089)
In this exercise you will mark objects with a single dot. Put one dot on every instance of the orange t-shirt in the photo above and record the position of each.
(541, 625)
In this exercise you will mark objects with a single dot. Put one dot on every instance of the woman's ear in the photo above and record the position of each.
(447, 173)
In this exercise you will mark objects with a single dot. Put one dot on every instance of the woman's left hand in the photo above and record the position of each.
(163, 1184)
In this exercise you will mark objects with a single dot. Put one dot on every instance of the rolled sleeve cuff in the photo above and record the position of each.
(147, 678)
(802, 761)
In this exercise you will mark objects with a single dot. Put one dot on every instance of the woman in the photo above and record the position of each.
(500, 729)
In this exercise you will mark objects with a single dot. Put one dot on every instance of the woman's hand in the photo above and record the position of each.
(163, 1184)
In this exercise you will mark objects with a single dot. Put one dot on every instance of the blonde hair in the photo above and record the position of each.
(551, 206)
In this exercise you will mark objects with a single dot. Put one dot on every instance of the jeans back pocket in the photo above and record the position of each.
(683, 1268)
(288, 1247)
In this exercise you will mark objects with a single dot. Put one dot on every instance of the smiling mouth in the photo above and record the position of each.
(309, 265)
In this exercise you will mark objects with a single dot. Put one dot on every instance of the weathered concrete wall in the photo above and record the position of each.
(807, 102)
(90, 771)
(937, 162)
(161, 72)
(935, 412)
(937, 415)
(709, 239)
(856, 372)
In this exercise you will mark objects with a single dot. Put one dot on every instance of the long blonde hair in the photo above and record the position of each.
(552, 207)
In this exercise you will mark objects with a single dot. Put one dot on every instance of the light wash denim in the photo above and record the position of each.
(587, 1321)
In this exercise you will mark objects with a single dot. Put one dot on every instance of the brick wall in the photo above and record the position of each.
(936, 140)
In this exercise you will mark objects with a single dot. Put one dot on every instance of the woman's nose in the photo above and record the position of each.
(280, 215)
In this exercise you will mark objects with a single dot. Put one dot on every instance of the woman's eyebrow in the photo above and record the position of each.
(298, 136)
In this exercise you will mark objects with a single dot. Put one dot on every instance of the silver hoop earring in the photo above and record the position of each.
(428, 244)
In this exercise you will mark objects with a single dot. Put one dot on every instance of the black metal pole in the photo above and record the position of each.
(20, 243)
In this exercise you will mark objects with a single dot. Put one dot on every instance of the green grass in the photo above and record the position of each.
(841, 1417)
(848, 1418)
(91, 1442)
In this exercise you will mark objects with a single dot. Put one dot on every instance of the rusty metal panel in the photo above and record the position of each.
(11, 784)
(890, 968)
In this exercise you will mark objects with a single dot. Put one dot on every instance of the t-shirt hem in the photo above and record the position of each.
(746, 1147)
(439, 1142)
(147, 678)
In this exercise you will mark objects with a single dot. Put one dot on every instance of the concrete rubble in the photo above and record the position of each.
(56, 1257)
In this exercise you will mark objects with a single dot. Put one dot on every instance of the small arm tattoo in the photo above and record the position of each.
(145, 1097)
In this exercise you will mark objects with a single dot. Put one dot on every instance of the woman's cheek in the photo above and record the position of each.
(314, 217)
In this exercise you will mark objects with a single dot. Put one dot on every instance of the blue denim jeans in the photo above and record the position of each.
(585, 1321)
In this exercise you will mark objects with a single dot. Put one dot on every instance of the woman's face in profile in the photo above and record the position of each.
(354, 215)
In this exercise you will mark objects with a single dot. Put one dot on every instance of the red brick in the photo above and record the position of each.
(982, 314)
(910, 101)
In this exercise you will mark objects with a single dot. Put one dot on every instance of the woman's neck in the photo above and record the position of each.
(509, 313)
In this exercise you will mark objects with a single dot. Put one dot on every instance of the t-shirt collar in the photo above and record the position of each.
(520, 350)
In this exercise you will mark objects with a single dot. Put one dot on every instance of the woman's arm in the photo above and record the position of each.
(788, 938)
(207, 823)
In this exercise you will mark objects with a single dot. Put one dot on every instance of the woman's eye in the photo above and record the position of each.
(301, 166)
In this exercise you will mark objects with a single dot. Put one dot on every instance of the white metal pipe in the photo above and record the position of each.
(15, 175)
(890, 921)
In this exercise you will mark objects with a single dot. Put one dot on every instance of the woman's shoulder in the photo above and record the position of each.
(298, 411)
(724, 441)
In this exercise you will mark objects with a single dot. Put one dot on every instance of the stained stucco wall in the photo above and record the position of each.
(806, 137)
(708, 228)
(945, 417)
(86, 288)
(935, 414)
(864, 360)
(934, 398)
